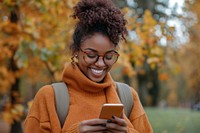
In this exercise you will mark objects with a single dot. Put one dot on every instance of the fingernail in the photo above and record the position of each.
(109, 121)
(113, 117)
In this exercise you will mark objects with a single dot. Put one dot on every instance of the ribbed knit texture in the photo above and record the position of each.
(86, 99)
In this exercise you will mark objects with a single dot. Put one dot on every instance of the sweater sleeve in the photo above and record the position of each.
(138, 117)
(37, 120)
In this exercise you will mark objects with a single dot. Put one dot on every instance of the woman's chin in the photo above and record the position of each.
(97, 79)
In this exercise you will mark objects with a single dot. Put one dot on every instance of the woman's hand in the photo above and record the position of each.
(116, 125)
(93, 125)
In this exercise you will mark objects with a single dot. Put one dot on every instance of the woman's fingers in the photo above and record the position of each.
(115, 127)
(119, 121)
(86, 129)
(117, 124)
(93, 125)
(93, 122)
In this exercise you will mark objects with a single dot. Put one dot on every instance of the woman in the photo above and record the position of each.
(98, 32)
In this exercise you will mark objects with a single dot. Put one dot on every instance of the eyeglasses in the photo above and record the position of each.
(92, 57)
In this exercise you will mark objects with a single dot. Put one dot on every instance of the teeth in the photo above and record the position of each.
(97, 71)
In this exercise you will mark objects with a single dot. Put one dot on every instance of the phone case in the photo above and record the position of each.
(109, 110)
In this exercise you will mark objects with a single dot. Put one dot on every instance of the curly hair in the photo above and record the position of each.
(98, 16)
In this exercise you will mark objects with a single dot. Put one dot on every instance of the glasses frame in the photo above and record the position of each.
(103, 56)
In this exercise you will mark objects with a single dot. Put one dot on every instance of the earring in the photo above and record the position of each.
(72, 58)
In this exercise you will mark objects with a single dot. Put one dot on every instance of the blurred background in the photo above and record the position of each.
(160, 58)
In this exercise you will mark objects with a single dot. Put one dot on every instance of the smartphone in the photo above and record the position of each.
(109, 110)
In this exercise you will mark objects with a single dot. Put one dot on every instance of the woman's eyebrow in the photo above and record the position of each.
(97, 51)
(91, 49)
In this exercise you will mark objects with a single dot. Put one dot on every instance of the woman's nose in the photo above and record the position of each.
(100, 62)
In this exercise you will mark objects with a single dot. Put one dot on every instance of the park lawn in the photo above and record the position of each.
(174, 120)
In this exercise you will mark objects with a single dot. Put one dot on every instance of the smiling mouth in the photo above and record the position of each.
(97, 72)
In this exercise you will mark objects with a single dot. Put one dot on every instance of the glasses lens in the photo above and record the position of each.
(90, 57)
(110, 58)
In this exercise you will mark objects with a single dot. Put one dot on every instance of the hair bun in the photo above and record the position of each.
(99, 15)
(92, 11)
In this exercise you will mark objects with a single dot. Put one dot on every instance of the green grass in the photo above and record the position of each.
(174, 120)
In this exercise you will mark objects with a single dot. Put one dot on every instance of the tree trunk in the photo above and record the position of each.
(154, 89)
(16, 126)
(148, 85)
(142, 81)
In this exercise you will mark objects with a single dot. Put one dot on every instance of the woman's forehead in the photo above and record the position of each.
(97, 41)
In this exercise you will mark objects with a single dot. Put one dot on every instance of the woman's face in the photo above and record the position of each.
(95, 55)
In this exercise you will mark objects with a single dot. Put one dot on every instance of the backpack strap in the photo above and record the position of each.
(62, 101)
(125, 96)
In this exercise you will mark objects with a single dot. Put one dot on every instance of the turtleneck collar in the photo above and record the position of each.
(73, 76)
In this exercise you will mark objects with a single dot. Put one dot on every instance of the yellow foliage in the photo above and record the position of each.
(126, 10)
(58, 75)
(153, 60)
(153, 66)
(148, 19)
(15, 113)
(157, 51)
(176, 69)
(10, 2)
(7, 117)
(163, 76)
(127, 68)
(147, 45)
(10, 28)
(71, 3)
(130, 18)
(7, 79)
(30, 104)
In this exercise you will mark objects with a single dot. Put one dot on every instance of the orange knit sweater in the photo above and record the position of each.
(86, 99)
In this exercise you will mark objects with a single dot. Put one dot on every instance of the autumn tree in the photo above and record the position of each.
(190, 53)
(145, 54)
(154, 29)
(33, 38)
(181, 65)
